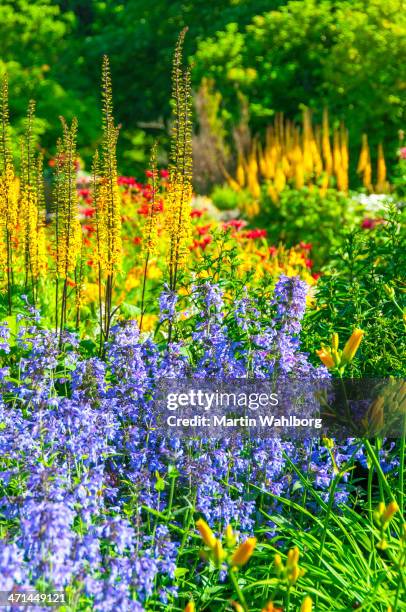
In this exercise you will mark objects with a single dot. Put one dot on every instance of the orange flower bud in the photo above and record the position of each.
(190, 607)
(244, 552)
(352, 346)
(208, 536)
(390, 511)
(326, 358)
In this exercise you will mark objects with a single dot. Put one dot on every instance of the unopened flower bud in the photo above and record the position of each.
(244, 552)
(390, 511)
(208, 536)
(352, 346)
(307, 604)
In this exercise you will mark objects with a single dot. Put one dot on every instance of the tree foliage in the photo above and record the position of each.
(346, 55)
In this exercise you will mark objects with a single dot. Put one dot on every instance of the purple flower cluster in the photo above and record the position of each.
(88, 485)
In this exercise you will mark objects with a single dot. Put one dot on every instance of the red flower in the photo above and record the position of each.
(84, 193)
(368, 223)
(164, 174)
(206, 240)
(88, 212)
(149, 173)
(309, 263)
(90, 262)
(235, 224)
(196, 213)
(126, 180)
(148, 192)
(255, 233)
(272, 251)
(202, 244)
(89, 228)
(144, 210)
(203, 229)
(307, 246)
(316, 275)
(137, 240)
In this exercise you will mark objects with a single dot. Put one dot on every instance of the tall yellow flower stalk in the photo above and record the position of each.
(179, 195)
(107, 202)
(32, 207)
(240, 173)
(364, 167)
(9, 193)
(151, 226)
(381, 182)
(66, 219)
(342, 177)
(252, 172)
(308, 165)
(326, 145)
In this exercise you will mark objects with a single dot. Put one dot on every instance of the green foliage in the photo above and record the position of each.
(340, 54)
(364, 287)
(35, 44)
(276, 54)
(225, 198)
(306, 216)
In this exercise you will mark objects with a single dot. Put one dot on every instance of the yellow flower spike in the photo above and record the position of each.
(352, 346)
(389, 512)
(208, 536)
(237, 607)
(307, 604)
(244, 552)
(326, 358)
(190, 607)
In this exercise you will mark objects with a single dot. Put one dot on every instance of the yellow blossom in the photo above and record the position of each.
(244, 552)
(307, 604)
(351, 346)
(208, 536)
(326, 358)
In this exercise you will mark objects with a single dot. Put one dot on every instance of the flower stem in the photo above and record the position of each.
(238, 590)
